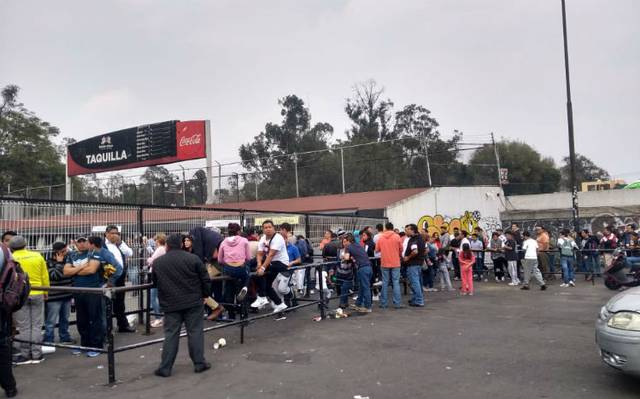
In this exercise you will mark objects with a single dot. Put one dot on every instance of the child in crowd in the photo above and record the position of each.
(467, 260)
(443, 270)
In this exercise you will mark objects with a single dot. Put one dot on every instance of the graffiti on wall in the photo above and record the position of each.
(468, 221)
(594, 224)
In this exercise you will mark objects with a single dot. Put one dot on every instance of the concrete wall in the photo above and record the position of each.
(597, 209)
(463, 207)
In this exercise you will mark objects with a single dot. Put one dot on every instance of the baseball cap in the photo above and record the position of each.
(17, 242)
(81, 237)
(340, 232)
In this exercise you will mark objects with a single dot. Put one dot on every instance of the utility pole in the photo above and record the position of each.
(425, 148)
(572, 150)
(295, 164)
(184, 187)
(342, 168)
(495, 151)
(219, 182)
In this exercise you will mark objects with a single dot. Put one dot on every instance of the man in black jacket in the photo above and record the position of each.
(58, 305)
(183, 284)
(7, 381)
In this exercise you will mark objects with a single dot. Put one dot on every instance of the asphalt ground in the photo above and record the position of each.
(500, 343)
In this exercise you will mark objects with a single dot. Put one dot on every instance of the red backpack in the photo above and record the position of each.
(14, 284)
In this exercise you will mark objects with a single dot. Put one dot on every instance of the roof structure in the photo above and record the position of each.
(334, 203)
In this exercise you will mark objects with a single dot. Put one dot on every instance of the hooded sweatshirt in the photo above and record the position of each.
(234, 250)
(390, 247)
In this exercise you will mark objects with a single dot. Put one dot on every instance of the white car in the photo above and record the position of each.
(618, 331)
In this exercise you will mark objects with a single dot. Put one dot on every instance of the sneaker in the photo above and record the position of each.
(543, 288)
(572, 283)
(432, 290)
(425, 289)
(353, 306)
(355, 297)
(68, 341)
(525, 287)
(375, 298)
(377, 284)
(76, 352)
(364, 310)
(21, 360)
(260, 302)
(157, 323)
(502, 279)
(497, 279)
(37, 360)
(563, 285)
(93, 354)
(242, 294)
(280, 308)
(512, 284)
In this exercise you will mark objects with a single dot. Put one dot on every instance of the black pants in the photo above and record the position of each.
(6, 373)
(193, 322)
(265, 283)
(118, 301)
(499, 265)
(456, 264)
(90, 319)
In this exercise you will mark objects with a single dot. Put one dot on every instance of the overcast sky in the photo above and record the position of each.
(480, 66)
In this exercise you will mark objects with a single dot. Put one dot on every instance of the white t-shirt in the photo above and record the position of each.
(277, 244)
(376, 237)
(530, 247)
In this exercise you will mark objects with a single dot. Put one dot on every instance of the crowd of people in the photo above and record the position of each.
(359, 266)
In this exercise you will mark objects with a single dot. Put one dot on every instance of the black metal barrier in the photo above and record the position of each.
(109, 292)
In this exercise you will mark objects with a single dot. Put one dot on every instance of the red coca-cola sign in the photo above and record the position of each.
(190, 136)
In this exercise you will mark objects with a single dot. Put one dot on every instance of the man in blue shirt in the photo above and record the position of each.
(356, 253)
(84, 267)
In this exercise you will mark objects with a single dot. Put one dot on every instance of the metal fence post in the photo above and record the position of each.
(323, 313)
(147, 311)
(141, 264)
(110, 345)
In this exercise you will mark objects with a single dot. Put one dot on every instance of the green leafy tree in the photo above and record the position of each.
(529, 172)
(267, 159)
(28, 156)
(586, 170)
(162, 182)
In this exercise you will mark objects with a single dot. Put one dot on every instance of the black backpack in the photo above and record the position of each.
(14, 284)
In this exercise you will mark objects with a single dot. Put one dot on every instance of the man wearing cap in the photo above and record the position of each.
(58, 305)
(30, 318)
(7, 381)
(89, 307)
(121, 252)
(183, 284)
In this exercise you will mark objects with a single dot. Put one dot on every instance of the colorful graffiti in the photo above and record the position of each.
(432, 224)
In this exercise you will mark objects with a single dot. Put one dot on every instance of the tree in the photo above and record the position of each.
(586, 170)
(268, 156)
(159, 182)
(28, 156)
(418, 128)
(529, 173)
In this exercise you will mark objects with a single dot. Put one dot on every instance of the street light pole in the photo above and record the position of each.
(184, 186)
(572, 150)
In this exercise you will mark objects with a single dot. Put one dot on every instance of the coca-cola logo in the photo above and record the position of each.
(193, 140)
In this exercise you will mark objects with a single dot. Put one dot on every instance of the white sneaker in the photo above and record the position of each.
(375, 298)
(572, 283)
(377, 284)
(279, 308)
(563, 285)
(156, 323)
(512, 284)
(260, 302)
(425, 289)
(355, 297)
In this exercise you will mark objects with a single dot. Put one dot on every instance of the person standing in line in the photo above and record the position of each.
(608, 242)
(530, 247)
(183, 285)
(358, 255)
(467, 261)
(477, 247)
(370, 248)
(415, 258)
(542, 237)
(497, 256)
(443, 270)
(390, 247)
(7, 381)
(567, 246)
(58, 306)
(120, 251)
(161, 249)
(454, 246)
(234, 254)
(511, 256)
(376, 279)
(30, 318)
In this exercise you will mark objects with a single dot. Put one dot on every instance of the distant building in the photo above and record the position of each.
(601, 185)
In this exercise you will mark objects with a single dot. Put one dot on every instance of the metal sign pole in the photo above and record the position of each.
(209, 152)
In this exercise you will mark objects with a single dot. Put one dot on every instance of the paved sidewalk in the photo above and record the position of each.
(501, 343)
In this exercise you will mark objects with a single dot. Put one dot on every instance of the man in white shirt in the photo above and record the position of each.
(272, 258)
(530, 262)
(120, 251)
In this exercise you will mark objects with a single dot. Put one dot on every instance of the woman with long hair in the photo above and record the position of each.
(467, 260)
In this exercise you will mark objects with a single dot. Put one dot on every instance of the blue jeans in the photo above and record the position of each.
(633, 262)
(345, 286)
(57, 312)
(240, 274)
(479, 266)
(393, 274)
(552, 262)
(155, 303)
(365, 273)
(413, 273)
(567, 263)
(427, 277)
(593, 263)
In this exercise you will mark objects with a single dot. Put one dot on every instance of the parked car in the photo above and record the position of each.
(618, 332)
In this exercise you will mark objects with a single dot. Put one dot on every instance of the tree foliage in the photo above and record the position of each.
(586, 171)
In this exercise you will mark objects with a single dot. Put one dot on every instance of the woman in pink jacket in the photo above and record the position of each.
(233, 255)
(467, 260)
